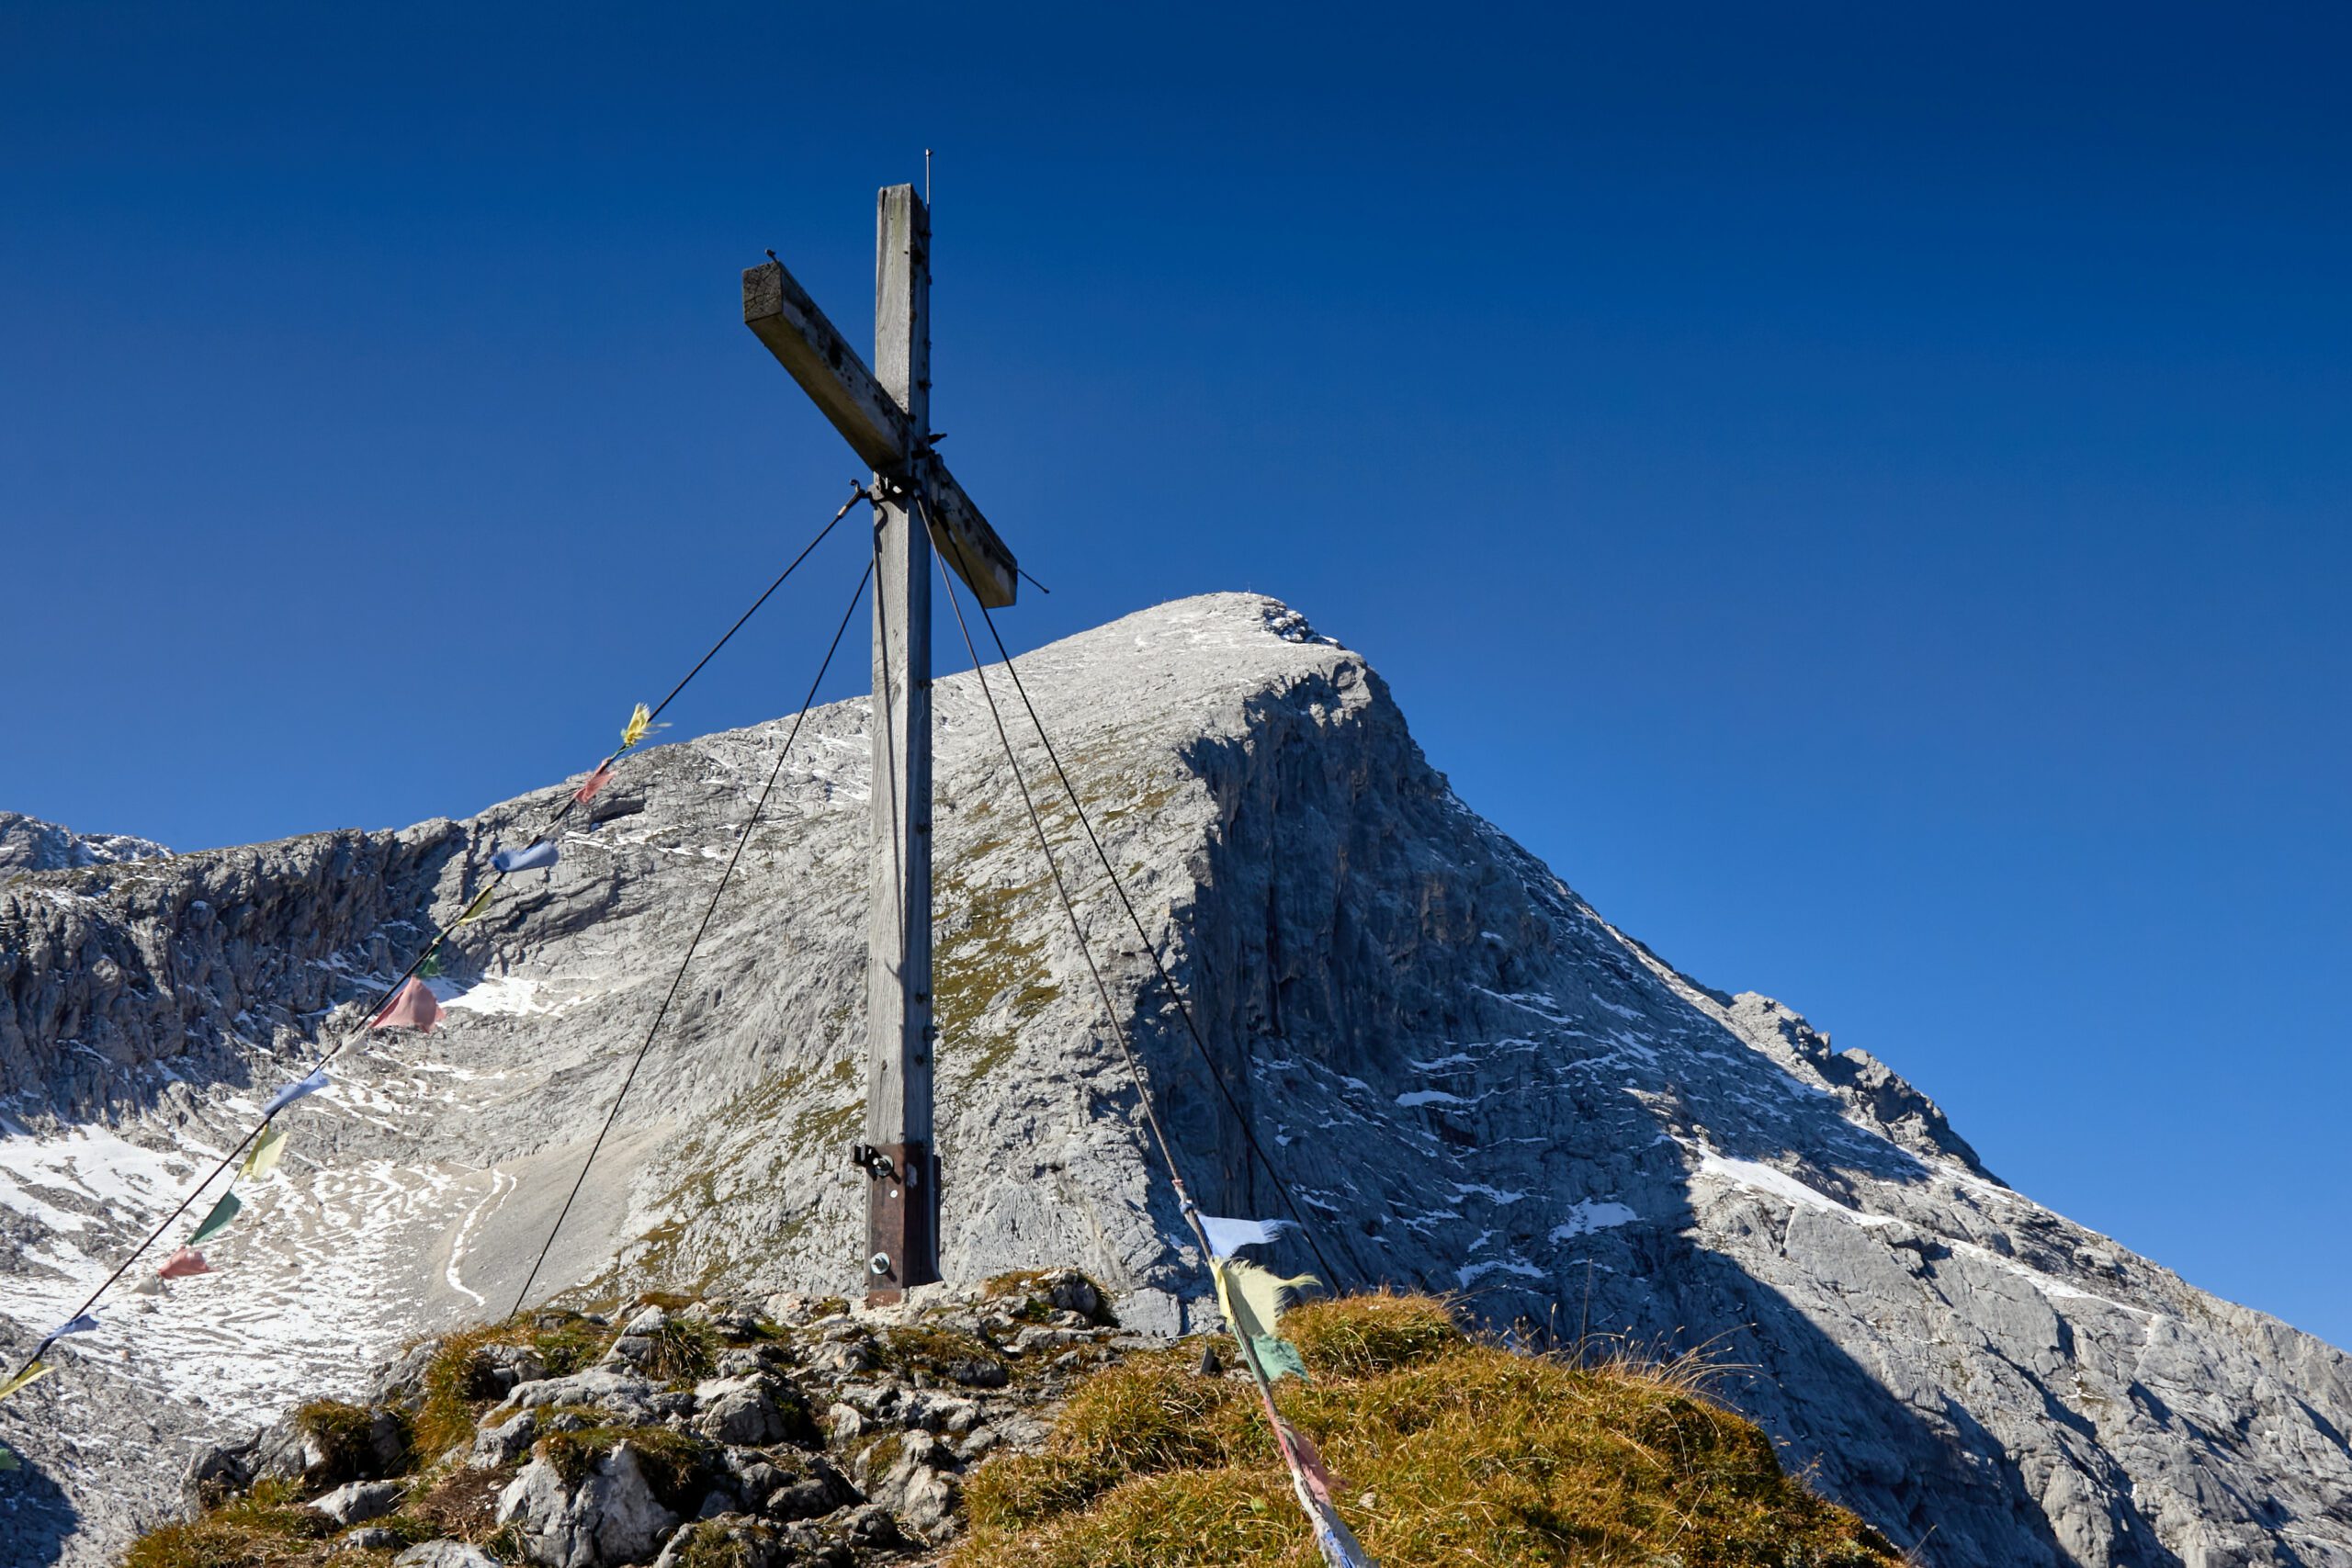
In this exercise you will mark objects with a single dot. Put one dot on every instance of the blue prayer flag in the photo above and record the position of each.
(294, 1092)
(1226, 1235)
(533, 858)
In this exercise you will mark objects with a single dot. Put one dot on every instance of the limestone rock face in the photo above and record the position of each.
(1471, 1080)
(27, 843)
(611, 1517)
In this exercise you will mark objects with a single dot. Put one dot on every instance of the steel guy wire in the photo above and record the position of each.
(440, 935)
(709, 911)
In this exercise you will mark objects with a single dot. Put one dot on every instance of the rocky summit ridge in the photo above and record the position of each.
(1472, 1081)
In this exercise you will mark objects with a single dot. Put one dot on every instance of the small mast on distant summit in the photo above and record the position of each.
(885, 415)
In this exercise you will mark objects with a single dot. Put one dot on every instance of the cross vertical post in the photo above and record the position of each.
(885, 415)
(902, 1196)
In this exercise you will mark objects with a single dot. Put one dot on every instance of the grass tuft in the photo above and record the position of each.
(685, 1351)
(1447, 1454)
(1357, 1335)
(457, 1384)
(341, 1433)
(948, 1353)
(268, 1527)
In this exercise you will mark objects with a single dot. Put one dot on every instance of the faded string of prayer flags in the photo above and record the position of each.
(414, 1005)
(1253, 1300)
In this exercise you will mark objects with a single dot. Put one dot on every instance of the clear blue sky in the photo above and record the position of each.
(1864, 493)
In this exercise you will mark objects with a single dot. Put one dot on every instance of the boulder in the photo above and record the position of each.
(215, 1472)
(748, 1411)
(611, 1517)
(635, 1399)
(401, 1381)
(360, 1501)
(919, 1488)
(506, 1442)
(443, 1555)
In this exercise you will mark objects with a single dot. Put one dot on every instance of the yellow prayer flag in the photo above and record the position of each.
(1253, 1298)
(31, 1374)
(640, 720)
(474, 909)
(262, 1159)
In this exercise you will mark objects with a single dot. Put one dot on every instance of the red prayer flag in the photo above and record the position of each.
(414, 1006)
(597, 781)
(188, 1260)
(1310, 1463)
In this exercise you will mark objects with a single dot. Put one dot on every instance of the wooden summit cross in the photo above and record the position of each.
(885, 415)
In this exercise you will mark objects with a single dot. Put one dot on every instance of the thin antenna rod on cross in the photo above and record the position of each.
(926, 176)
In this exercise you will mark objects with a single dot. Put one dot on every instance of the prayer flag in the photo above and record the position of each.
(474, 909)
(9, 1460)
(1226, 1235)
(532, 858)
(1340, 1547)
(263, 1158)
(309, 1086)
(1278, 1357)
(188, 1260)
(1310, 1465)
(218, 1220)
(1332, 1538)
(84, 1322)
(31, 1374)
(414, 1006)
(597, 781)
(1253, 1300)
(639, 721)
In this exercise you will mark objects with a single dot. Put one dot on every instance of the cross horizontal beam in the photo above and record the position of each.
(782, 316)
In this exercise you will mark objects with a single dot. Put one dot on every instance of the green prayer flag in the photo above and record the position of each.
(218, 1220)
(8, 1460)
(1279, 1357)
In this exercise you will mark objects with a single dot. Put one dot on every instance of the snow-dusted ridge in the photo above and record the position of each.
(1479, 1083)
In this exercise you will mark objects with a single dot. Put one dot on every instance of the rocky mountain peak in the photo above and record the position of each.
(1467, 1080)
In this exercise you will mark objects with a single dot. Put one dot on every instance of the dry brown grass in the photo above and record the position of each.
(268, 1529)
(1450, 1455)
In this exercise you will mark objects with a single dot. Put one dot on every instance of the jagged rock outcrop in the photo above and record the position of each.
(27, 843)
(630, 1459)
(1470, 1080)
